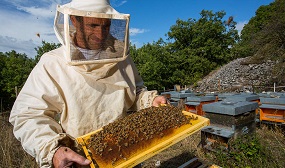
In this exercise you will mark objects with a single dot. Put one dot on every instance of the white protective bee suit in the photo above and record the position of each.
(70, 93)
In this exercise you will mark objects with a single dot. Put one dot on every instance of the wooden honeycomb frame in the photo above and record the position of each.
(152, 148)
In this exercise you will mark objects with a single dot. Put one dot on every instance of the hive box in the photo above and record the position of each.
(272, 110)
(229, 120)
(177, 98)
(194, 104)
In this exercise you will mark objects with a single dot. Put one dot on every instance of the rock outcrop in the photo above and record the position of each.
(237, 76)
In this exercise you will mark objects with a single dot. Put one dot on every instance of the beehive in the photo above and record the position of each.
(244, 97)
(195, 104)
(229, 120)
(177, 98)
(131, 140)
(272, 110)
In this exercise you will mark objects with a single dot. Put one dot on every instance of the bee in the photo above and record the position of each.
(230, 19)
(113, 161)
(119, 149)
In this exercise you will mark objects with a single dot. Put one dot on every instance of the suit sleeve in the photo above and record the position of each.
(33, 117)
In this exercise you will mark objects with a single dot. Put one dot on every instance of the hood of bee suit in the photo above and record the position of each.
(99, 6)
(116, 43)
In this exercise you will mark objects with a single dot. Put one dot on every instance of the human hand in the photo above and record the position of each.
(157, 101)
(64, 157)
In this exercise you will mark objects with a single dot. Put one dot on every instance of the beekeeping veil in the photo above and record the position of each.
(91, 31)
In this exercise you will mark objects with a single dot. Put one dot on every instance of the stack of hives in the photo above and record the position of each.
(178, 98)
(119, 140)
(229, 120)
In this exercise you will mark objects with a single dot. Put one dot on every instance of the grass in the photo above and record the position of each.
(265, 149)
(11, 153)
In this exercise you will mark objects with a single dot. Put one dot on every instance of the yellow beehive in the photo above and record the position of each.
(129, 154)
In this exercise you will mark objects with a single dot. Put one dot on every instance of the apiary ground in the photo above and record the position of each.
(272, 143)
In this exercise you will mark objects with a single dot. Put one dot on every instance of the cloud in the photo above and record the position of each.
(240, 26)
(135, 31)
(25, 27)
(19, 29)
(24, 19)
(40, 12)
(19, 46)
(39, 8)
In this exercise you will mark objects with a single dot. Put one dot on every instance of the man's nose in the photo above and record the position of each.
(101, 32)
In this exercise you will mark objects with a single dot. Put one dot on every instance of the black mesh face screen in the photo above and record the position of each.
(93, 38)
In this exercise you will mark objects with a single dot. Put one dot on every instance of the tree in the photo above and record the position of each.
(263, 38)
(208, 38)
(14, 71)
(194, 49)
(247, 45)
(46, 47)
(200, 46)
(153, 64)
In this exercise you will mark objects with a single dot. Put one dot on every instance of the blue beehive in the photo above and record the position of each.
(194, 104)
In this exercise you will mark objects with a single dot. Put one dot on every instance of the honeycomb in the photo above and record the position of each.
(117, 141)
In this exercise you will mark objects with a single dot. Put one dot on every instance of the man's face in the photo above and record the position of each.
(91, 33)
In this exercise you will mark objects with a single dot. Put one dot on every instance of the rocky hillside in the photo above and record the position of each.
(238, 76)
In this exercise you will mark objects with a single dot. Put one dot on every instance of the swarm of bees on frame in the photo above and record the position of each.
(118, 140)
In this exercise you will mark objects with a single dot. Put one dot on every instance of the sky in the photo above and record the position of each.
(25, 23)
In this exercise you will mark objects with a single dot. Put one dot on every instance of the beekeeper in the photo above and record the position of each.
(85, 84)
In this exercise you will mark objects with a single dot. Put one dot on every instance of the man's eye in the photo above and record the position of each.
(93, 25)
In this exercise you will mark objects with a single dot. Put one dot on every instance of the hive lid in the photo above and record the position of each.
(272, 95)
(243, 97)
(185, 91)
(211, 94)
(230, 107)
(193, 103)
(200, 98)
(277, 101)
(225, 95)
(174, 99)
(272, 106)
(181, 95)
